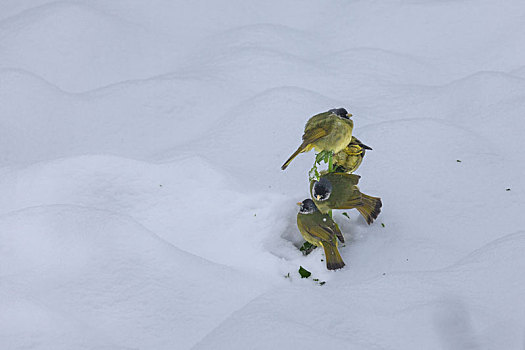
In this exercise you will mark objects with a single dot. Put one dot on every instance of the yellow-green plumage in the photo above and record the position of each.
(350, 158)
(326, 131)
(344, 194)
(320, 230)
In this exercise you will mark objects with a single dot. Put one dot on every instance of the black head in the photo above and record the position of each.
(341, 113)
(308, 207)
(322, 189)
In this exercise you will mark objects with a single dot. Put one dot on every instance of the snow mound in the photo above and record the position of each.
(157, 197)
(384, 312)
(83, 42)
(162, 112)
(111, 275)
(272, 37)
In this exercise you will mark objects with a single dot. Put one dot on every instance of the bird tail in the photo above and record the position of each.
(371, 208)
(302, 148)
(332, 256)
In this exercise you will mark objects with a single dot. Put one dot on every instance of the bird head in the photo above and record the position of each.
(341, 113)
(307, 206)
(322, 189)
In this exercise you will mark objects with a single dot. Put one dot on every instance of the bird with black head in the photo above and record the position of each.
(320, 230)
(340, 191)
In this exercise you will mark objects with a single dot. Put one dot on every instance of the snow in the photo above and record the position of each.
(143, 205)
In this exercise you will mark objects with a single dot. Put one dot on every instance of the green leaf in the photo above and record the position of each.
(346, 214)
(457, 160)
(313, 174)
(323, 156)
(382, 224)
(321, 283)
(319, 158)
(307, 248)
(304, 272)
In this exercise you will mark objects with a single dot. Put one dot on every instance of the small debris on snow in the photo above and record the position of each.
(304, 272)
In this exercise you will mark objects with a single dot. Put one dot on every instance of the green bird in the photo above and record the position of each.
(350, 158)
(328, 131)
(320, 230)
(340, 191)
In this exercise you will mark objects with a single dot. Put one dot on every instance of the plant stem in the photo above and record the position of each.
(330, 170)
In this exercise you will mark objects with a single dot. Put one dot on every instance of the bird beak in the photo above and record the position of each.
(299, 203)
(349, 115)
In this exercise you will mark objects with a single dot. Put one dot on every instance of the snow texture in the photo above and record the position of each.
(143, 205)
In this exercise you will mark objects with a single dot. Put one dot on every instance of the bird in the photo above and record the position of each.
(340, 191)
(320, 230)
(350, 158)
(328, 131)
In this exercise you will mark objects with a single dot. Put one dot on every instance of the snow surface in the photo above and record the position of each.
(143, 205)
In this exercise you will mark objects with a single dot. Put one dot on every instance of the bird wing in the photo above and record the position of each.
(314, 134)
(337, 231)
(343, 178)
(322, 233)
(356, 141)
(353, 150)
(318, 126)
(353, 201)
(346, 185)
